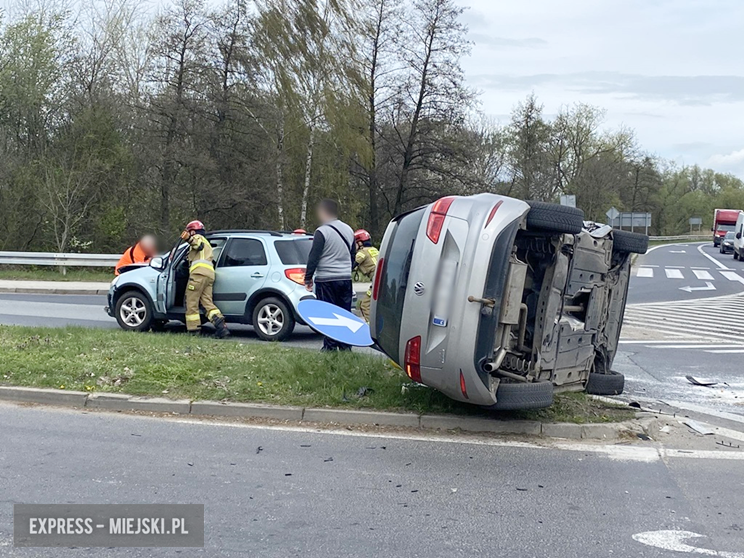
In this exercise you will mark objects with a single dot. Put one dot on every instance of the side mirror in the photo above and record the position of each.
(738, 236)
(157, 263)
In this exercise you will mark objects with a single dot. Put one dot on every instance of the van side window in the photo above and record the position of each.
(244, 252)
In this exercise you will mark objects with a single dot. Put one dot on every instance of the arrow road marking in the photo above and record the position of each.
(708, 287)
(674, 541)
(338, 321)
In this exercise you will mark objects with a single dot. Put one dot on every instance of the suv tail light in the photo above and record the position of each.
(296, 275)
(378, 277)
(412, 359)
(436, 218)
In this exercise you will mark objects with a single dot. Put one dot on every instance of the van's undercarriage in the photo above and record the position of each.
(562, 309)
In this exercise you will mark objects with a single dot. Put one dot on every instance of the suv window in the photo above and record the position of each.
(244, 252)
(294, 252)
(394, 281)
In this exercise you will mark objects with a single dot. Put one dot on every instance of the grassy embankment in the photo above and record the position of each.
(178, 366)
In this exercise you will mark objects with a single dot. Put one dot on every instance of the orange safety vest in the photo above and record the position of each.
(134, 254)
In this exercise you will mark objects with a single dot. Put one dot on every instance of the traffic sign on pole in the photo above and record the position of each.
(334, 322)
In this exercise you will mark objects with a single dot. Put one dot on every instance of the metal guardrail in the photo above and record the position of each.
(110, 260)
(59, 260)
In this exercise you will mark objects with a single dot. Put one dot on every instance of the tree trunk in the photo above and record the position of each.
(308, 173)
(280, 177)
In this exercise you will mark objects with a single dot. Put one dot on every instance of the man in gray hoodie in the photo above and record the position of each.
(330, 262)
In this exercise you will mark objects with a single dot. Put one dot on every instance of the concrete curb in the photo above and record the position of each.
(123, 402)
(53, 291)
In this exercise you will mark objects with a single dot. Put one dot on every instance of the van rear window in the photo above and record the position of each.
(394, 281)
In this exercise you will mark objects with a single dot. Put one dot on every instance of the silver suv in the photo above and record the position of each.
(259, 281)
(499, 302)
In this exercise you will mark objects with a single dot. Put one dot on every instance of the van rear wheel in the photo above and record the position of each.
(515, 396)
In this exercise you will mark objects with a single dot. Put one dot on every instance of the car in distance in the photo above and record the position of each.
(259, 280)
(727, 242)
(500, 302)
(739, 238)
(724, 220)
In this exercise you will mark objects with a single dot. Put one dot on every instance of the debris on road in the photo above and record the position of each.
(701, 429)
(728, 445)
(700, 382)
(259, 449)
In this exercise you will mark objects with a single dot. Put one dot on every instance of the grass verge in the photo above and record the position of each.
(31, 273)
(180, 366)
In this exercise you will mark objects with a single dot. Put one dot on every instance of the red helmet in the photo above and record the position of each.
(299, 231)
(195, 226)
(362, 236)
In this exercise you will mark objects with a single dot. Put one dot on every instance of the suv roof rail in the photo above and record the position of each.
(252, 231)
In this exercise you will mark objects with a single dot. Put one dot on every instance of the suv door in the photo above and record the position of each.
(242, 269)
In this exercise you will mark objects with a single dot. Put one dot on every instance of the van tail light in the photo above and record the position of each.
(296, 275)
(412, 359)
(463, 387)
(378, 277)
(493, 213)
(436, 218)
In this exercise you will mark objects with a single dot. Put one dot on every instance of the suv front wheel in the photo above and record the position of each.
(134, 311)
(272, 320)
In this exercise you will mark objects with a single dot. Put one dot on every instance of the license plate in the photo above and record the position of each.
(443, 294)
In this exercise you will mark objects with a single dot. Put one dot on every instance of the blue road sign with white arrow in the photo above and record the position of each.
(334, 322)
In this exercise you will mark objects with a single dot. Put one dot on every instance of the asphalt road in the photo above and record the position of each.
(341, 494)
(671, 332)
(87, 311)
(664, 271)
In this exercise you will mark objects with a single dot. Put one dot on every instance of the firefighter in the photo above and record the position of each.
(201, 282)
(364, 268)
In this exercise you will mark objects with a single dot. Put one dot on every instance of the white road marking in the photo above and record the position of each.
(719, 265)
(702, 275)
(732, 276)
(694, 267)
(645, 272)
(674, 541)
(674, 273)
(698, 346)
(707, 287)
(675, 267)
(655, 341)
(678, 251)
(727, 352)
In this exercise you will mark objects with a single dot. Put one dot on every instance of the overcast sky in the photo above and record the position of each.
(673, 70)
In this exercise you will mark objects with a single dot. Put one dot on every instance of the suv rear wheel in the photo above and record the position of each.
(134, 311)
(272, 320)
(555, 218)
